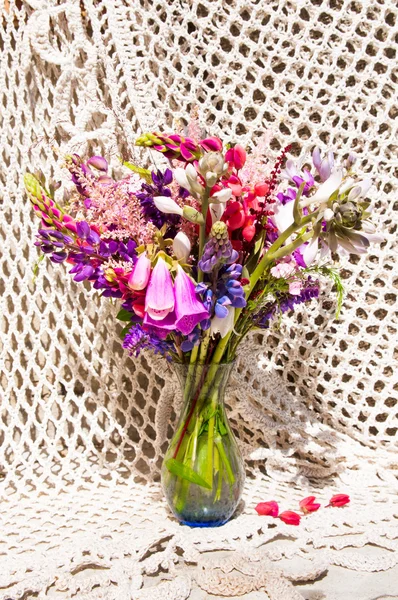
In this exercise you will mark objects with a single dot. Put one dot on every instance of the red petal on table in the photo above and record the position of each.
(339, 500)
(290, 518)
(268, 509)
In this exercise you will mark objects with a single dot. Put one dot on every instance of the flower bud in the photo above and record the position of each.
(181, 246)
(167, 205)
(211, 144)
(139, 277)
(99, 163)
(214, 162)
(191, 214)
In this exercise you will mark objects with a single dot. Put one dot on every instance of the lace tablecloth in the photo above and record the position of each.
(314, 403)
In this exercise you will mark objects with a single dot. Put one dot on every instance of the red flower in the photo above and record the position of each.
(308, 505)
(268, 509)
(290, 518)
(236, 157)
(339, 500)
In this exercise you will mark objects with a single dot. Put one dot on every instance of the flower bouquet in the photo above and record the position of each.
(198, 254)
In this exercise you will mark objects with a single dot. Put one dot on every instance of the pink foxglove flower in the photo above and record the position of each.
(290, 518)
(339, 500)
(159, 299)
(189, 310)
(139, 277)
(308, 505)
(162, 327)
(268, 509)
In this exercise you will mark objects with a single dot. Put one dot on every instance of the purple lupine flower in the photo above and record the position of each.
(159, 188)
(229, 292)
(218, 249)
(192, 340)
(137, 339)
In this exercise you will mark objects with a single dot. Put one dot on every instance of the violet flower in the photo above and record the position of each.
(137, 339)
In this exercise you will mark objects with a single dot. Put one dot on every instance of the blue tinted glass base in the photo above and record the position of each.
(202, 524)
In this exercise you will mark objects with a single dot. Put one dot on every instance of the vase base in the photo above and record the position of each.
(205, 524)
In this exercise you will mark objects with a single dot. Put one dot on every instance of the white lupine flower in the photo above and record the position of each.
(225, 325)
(221, 196)
(181, 246)
(167, 205)
(181, 177)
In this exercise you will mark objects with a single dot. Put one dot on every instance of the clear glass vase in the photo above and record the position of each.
(203, 472)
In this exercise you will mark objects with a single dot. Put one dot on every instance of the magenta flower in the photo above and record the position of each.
(159, 299)
(139, 277)
(189, 310)
(160, 328)
(211, 144)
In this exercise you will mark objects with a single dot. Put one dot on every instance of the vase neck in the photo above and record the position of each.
(203, 380)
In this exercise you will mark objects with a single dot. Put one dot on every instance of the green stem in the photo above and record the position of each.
(210, 440)
(202, 231)
(224, 460)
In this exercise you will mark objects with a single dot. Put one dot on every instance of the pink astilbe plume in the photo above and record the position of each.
(258, 167)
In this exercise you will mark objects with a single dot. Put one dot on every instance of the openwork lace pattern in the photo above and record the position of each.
(83, 427)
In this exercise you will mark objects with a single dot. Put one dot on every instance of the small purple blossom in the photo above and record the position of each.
(137, 339)
(286, 302)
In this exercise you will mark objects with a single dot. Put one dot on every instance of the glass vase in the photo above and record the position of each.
(203, 472)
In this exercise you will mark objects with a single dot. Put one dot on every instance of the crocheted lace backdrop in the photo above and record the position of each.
(314, 397)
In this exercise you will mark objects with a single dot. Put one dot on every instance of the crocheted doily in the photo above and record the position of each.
(314, 404)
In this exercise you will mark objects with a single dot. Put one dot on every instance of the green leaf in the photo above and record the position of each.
(125, 331)
(124, 315)
(186, 473)
(144, 173)
(201, 460)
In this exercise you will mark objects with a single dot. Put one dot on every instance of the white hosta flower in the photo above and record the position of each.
(310, 252)
(167, 205)
(181, 246)
(283, 216)
(325, 190)
(225, 325)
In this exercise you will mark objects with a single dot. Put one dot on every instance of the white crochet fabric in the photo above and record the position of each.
(83, 427)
